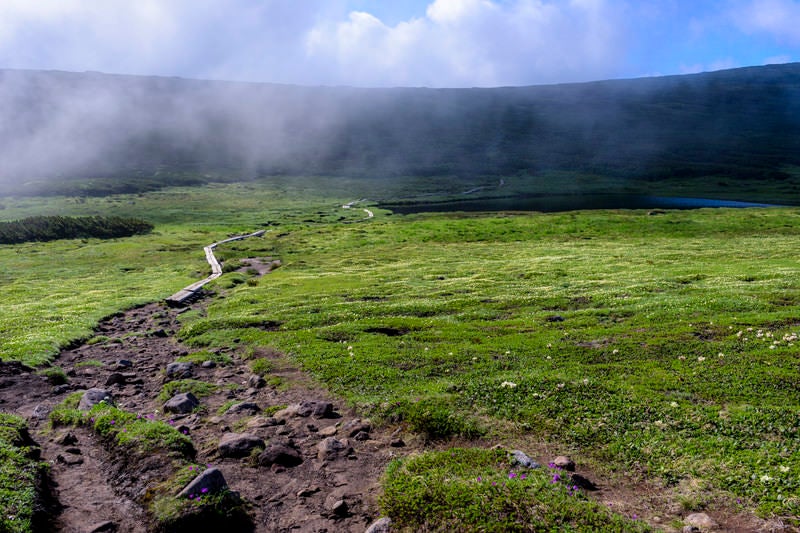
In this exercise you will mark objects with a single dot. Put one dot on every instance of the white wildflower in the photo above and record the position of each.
(765, 479)
(701, 359)
(673, 404)
(783, 468)
(508, 384)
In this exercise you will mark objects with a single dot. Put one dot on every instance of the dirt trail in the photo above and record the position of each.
(98, 490)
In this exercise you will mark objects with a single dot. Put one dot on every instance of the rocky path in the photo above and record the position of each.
(321, 464)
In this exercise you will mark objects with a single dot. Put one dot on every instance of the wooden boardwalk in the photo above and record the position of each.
(194, 291)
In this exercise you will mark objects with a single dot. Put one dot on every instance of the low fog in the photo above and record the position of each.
(58, 125)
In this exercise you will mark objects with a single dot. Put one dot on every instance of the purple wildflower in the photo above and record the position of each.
(204, 490)
(523, 476)
(479, 479)
(551, 465)
(113, 422)
(556, 478)
(511, 475)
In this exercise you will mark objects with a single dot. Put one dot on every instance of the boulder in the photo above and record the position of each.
(521, 458)
(565, 463)
(701, 521)
(238, 444)
(92, 397)
(249, 408)
(182, 403)
(332, 448)
(209, 481)
(179, 370)
(356, 426)
(381, 525)
(280, 454)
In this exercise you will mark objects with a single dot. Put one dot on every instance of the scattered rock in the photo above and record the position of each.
(555, 318)
(310, 491)
(73, 450)
(565, 463)
(331, 448)
(315, 408)
(397, 442)
(356, 426)
(209, 481)
(208, 364)
(61, 389)
(182, 403)
(361, 436)
(41, 412)
(279, 454)
(124, 363)
(701, 521)
(381, 525)
(92, 397)
(328, 431)
(256, 382)
(521, 458)
(337, 507)
(67, 439)
(115, 379)
(160, 333)
(71, 460)
(238, 444)
(102, 527)
(690, 529)
(249, 408)
(582, 482)
(262, 422)
(179, 370)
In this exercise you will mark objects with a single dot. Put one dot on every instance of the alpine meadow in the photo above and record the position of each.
(395, 350)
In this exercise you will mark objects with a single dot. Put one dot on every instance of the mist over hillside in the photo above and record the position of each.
(739, 124)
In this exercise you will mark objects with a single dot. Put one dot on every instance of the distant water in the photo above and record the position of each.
(554, 204)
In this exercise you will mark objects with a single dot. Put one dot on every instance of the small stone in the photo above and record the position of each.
(356, 426)
(61, 389)
(582, 482)
(521, 458)
(179, 370)
(303, 493)
(701, 521)
(208, 364)
(565, 463)
(555, 318)
(210, 479)
(361, 436)
(331, 448)
(160, 333)
(102, 527)
(317, 409)
(115, 379)
(328, 431)
(67, 439)
(338, 507)
(70, 460)
(73, 450)
(690, 529)
(397, 442)
(262, 422)
(93, 397)
(244, 407)
(182, 403)
(280, 454)
(256, 382)
(124, 362)
(238, 444)
(381, 525)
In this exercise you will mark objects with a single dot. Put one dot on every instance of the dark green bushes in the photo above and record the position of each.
(51, 228)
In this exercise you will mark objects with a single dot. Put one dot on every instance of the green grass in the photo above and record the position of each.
(599, 333)
(202, 356)
(19, 477)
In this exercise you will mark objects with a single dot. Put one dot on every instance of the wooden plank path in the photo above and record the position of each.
(193, 291)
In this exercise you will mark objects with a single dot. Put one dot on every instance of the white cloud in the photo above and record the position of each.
(477, 42)
(780, 18)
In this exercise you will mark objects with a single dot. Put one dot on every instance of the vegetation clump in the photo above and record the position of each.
(470, 489)
(20, 476)
(51, 228)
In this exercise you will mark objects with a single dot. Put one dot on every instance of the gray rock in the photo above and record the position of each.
(67, 439)
(61, 389)
(690, 529)
(238, 444)
(361, 436)
(279, 454)
(315, 408)
(702, 521)
(565, 463)
(521, 458)
(182, 403)
(328, 431)
(210, 479)
(115, 378)
(337, 507)
(208, 364)
(249, 408)
(381, 525)
(92, 397)
(256, 382)
(180, 370)
(331, 448)
(397, 442)
(125, 362)
(102, 527)
(356, 426)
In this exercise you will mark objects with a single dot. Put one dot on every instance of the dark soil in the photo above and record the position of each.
(99, 488)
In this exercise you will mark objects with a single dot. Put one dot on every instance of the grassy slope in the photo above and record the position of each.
(632, 378)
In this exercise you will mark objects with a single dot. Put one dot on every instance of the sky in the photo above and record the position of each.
(384, 43)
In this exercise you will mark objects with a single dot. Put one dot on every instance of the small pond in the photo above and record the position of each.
(552, 204)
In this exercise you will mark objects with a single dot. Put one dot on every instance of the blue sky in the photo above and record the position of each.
(434, 43)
